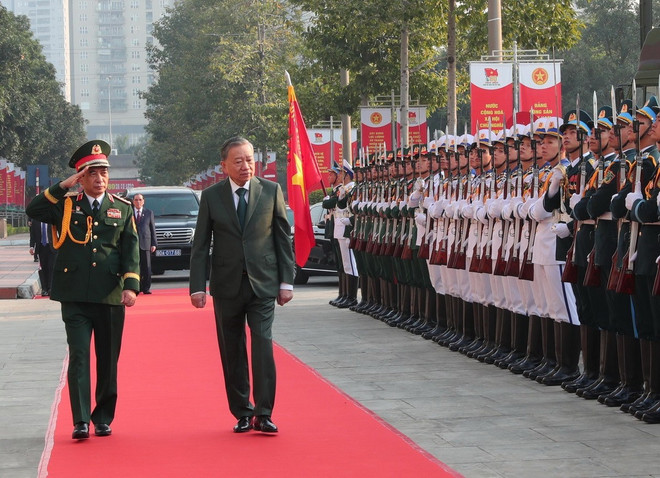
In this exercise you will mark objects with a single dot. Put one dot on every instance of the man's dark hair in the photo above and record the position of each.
(230, 143)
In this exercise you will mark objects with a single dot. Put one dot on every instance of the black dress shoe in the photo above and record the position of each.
(244, 425)
(102, 430)
(147, 292)
(80, 431)
(45, 293)
(263, 424)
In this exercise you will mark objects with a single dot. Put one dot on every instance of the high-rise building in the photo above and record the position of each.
(49, 22)
(98, 48)
(109, 64)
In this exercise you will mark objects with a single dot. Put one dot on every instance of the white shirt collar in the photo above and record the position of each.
(91, 199)
(235, 186)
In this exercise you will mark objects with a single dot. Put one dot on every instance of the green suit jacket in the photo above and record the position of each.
(99, 270)
(263, 250)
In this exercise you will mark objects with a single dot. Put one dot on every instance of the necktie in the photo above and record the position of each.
(241, 209)
(139, 215)
(44, 234)
(95, 207)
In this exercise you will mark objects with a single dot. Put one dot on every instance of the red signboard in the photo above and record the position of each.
(491, 90)
(376, 124)
(540, 89)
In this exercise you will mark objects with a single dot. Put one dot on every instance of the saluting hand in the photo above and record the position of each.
(74, 179)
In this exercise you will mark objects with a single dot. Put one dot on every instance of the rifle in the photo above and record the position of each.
(424, 248)
(513, 264)
(399, 240)
(570, 273)
(406, 253)
(592, 275)
(500, 263)
(626, 279)
(475, 263)
(526, 272)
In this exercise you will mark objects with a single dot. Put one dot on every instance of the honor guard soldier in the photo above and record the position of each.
(97, 274)
(330, 203)
(637, 268)
(342, 229)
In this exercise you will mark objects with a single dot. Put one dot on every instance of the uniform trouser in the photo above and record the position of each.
(107, 324)
(647, 308)
(558, 296)
(46, 263)
(230, 317)
(591, 309)
(145, 270)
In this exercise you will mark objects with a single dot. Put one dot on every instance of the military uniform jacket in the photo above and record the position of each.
(648, 235)
(109, 263)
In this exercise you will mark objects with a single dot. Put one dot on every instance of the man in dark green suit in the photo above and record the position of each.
(252, 266)
(97, 274)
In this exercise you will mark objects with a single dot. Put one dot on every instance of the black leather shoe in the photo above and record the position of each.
(263, 424)
(102, 430)
(244, 425)
(147, 292)
(80, 431)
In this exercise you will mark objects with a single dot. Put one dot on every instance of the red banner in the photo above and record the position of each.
(376, 125)
(321, 139)
(539, 89)
(417, 126)
(3, 182)
(491, 90)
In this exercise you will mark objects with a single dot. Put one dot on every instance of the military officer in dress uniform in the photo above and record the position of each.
(97, 275)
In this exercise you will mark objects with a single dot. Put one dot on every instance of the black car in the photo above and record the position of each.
(175, 214)
(321, 261)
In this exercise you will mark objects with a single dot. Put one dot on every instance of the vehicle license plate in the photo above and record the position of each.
(168, 252)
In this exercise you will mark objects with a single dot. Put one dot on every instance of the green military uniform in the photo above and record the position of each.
(97, 259)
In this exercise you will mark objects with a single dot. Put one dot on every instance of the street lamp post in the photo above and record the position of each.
(110, 109)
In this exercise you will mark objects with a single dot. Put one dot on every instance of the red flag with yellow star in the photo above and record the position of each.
(303, 176)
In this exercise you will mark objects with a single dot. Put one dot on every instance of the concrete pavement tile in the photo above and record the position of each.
(476, 470)
(452, 455)
(549, 468)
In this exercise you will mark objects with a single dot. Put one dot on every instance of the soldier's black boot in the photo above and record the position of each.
(570, 355)
(630, 370)
(644, 401)
(534, 347)
(362, 281)
(549, 360)
(556, 328)
(590, 345)
(519, 326)
(503, 340)
(351, 292)
(491, 323)
(342, 293)
(450, 321)
(467, 327)
(479, 337)
(440, 317)
(652, 414)
(608, 378)
(456, 315)
(430, 317)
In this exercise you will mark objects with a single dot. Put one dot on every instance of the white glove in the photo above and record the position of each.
(538, 212)
(614, 196)
(449, 209)
(355, 204)
(555, 181)
(631, 198)
(658, 200)
(494, 209)
(326, 198)
(575, 198)
(420, 218)
(481, 215)
(415, 198)
(419, 185)
(515, 205)
(467, 211)
(428, 202)
(342, 192)
(561, 230)
(437, 208)
(507, 210)
(523, 210)
(345, 221)
(394, 204)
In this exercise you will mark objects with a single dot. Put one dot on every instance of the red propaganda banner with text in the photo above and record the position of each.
(269, 170)
(321, 141)
(18, 200)
(540, 88)
(376, 128)
(9, 183)
(417, 126)
(3, 182)
(491, 91)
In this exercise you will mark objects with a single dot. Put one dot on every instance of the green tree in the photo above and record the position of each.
(220, 68)
(607, 54)
(37, 124)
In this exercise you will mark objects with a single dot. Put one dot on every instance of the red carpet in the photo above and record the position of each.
(172, 417)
